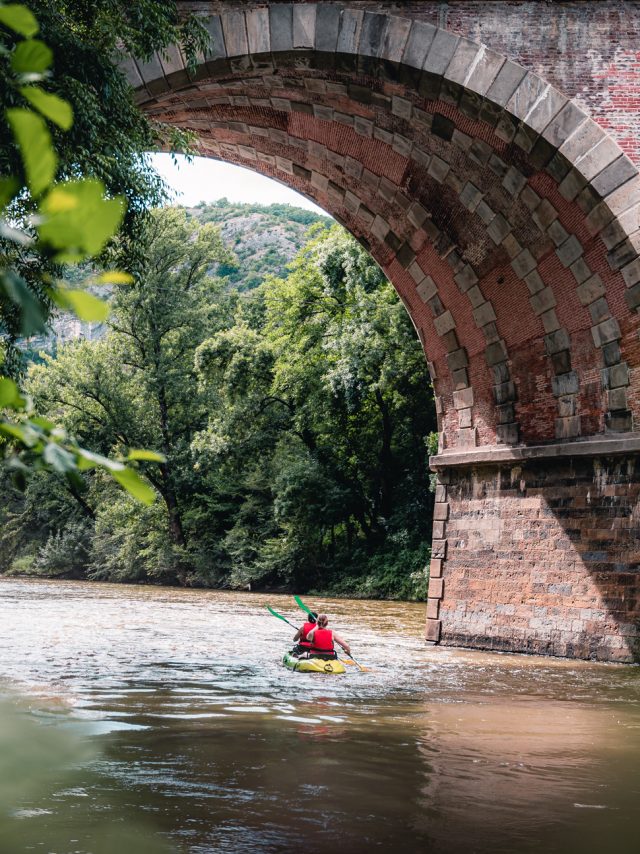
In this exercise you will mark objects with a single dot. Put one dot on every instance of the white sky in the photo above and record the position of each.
(205, 180)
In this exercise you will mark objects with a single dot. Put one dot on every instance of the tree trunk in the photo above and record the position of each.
(385, 459)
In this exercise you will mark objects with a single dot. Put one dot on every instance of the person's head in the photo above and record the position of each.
(312, 617)
(322, 621)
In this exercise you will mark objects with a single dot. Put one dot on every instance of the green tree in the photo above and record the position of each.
(137, 386)
(319, 419)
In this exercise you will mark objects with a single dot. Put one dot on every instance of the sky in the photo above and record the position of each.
(205, 180)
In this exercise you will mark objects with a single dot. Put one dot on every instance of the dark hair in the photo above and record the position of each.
(312, 616)
(322, 620)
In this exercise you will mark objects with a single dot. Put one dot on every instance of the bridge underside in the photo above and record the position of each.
(507, 221)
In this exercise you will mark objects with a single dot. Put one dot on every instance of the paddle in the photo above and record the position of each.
(351, 660)
(358, 665)
(280, 617)
(302, 605)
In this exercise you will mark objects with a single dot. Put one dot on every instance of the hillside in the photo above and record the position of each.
(264, 238)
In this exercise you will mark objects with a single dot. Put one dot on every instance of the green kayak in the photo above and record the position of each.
(313, 665)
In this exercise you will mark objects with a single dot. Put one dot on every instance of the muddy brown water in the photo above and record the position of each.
(154, 720)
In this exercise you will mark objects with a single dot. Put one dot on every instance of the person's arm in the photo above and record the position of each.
(297, 635)
(343, 644)
(311, 635)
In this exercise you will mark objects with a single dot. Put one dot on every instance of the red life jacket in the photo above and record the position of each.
(322, 641)
(307, 627)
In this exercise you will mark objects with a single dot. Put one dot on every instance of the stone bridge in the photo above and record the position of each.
(485, 154)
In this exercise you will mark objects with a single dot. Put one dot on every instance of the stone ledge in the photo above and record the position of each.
(625, 443)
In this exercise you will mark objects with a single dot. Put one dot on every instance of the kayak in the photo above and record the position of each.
(313, 665)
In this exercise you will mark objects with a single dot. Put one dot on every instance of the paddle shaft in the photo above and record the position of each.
(280, 617)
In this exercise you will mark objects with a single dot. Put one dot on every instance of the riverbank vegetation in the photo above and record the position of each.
(292, 417)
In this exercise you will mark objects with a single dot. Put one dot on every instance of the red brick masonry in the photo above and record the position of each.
(539, 555)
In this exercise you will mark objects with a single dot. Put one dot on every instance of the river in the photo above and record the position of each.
(140, 720)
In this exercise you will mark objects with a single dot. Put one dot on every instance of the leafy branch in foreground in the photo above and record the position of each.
(71, 222)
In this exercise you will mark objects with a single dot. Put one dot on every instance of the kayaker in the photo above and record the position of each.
(322, 640)
(302, 645)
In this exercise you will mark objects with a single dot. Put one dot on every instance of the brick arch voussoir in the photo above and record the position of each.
(547, 132)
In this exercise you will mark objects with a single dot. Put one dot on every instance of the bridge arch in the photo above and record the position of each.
(508, 221)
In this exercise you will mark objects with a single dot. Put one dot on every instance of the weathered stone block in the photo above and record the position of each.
(457, 359)
(475, 296)
(444, 323)
(426, 289)
(614, 175)
(463, 398)
(564, 384)
(432, 631)
(418, 43)
(484, 314)
(441, 52)
(498, 228)
(617, 399)
(496, 353)
(569, 251)
(433, 609)
(568, 428)
(523, 263)
(466, 278)
(534, 282)
(508, 434)
(632, 296)
(327, 27)
(591, 290)
(435, 568)
(437, 530)
(514, 181)
(557, 341)
(465, 419)
(599, 310)
(543, 301)
(567, 121)
(505, 392)
(605, 332)
(439, 549)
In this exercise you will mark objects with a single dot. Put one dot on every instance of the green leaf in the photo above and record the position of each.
(22, 432)
(31, 56)
(19, 19)
(150, 456)
(135, 485)
(114, 277)
(51, 106)
(89, 460)
(34, 140)
(8, 189)
(43, 423)
(58, 458)
(32, 311)
(85, 305)
(9, 393)
(78, 217)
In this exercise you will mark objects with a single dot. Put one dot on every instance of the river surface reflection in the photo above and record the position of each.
(160, 720)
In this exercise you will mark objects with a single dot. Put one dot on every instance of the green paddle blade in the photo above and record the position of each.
(302, 605)
(276, 614)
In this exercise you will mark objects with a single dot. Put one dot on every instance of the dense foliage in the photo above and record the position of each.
(293, 419)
